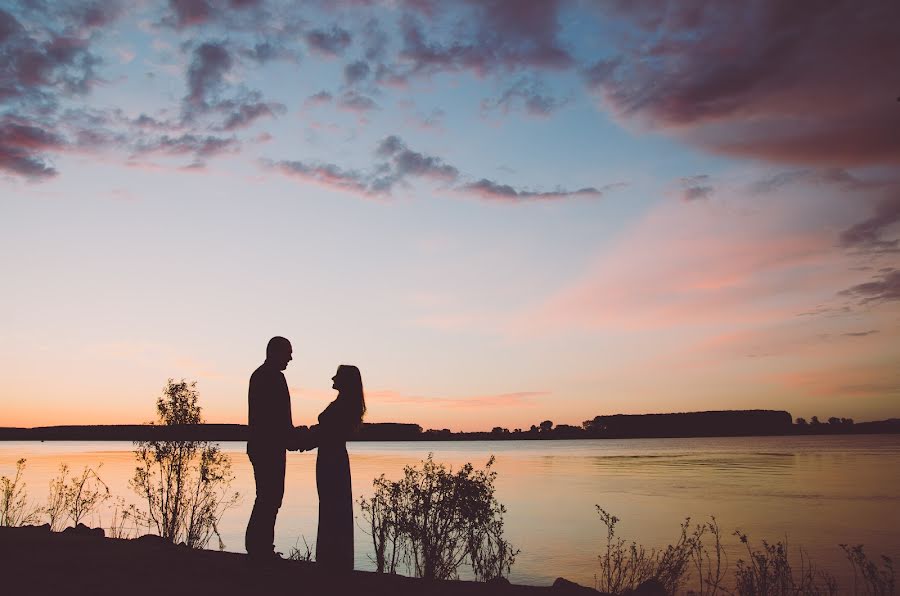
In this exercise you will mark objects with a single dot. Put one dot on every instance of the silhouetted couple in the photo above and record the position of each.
(272, 433)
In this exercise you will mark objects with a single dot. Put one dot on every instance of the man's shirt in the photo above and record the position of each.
(269, 411)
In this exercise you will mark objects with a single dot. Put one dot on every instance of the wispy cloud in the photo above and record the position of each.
(871, 234)
(21, 149)
(494, 191)
(504, 35)
(883, 288)
(356, 72)
(188, 144)
(861, 333)
(695, 188)
(330, 42)
(398, 164)
(354, 101)
(529, 95)
(205, 77)
(325, 174)
(320, 98)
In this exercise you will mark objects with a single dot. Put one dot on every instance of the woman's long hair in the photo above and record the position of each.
(352, 392)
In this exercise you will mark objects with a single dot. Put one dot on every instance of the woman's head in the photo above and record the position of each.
(348, 382)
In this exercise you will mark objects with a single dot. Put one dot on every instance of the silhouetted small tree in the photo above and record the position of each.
(546, 426)
(185, 484)
(814, 421)
(801, 422)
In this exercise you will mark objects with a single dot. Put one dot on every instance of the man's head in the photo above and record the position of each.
(278, 352)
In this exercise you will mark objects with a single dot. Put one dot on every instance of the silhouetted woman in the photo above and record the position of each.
(342, 417)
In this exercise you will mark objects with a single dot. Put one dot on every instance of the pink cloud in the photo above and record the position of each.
(847, 381)
(740, 259)
(21, 147)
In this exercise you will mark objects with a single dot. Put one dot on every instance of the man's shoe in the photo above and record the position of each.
(264, 558)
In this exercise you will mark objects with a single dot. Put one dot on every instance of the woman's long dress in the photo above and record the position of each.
(334, 543)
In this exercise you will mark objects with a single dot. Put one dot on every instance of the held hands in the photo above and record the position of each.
(301, 439)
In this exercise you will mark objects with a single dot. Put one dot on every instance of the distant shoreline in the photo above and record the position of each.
(686, 425)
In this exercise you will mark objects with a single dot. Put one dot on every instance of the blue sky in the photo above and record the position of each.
(502, 211)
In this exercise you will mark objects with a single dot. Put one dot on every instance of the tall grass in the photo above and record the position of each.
(868, 577)
(696, 564)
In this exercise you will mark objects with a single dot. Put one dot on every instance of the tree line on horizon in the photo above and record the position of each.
(684, 424)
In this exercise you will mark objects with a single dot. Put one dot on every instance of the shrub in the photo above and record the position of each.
(14, 508)
(435, 521)
(625, 566)
(383, 513)
(867, 577)
(76, 499)
(768, 572)
(708, 561)
(185, 484)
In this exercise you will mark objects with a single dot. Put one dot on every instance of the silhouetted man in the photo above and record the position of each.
(271, 428)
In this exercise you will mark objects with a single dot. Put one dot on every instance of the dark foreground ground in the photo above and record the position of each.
(35, 561)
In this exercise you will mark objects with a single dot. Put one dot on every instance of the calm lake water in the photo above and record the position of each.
(816, 491)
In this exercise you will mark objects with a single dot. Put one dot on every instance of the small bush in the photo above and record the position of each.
(14, 507)
(768, 573)
(868, 578)
(625, 566)
(73, 499)
(434, 521)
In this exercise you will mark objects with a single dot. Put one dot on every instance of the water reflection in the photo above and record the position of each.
(818, 491)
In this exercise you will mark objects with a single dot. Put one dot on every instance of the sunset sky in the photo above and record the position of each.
(502, 211)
